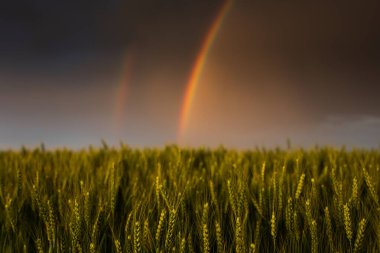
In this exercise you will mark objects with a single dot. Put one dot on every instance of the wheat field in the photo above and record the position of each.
(189, 200)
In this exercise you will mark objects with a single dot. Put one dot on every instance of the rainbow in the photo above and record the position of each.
(122, 90)
(198, 66)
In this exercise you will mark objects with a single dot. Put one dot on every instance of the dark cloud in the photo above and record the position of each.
(325, 54)
(48, 28)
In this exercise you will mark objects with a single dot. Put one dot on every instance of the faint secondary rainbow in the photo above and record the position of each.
(198, 66)
(122, 91)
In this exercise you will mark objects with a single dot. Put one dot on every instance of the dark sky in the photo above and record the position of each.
(300, 70)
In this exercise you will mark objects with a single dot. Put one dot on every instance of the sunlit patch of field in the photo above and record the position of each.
(183, 200)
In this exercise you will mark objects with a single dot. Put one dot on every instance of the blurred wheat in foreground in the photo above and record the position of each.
(182, 200)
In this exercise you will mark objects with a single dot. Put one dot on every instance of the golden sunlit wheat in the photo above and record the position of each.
(189, 200)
